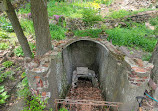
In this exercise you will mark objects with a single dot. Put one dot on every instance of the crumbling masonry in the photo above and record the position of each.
(120, 78)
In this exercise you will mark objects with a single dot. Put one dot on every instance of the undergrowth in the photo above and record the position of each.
(89, 32)
(123, 13)
(27, 26)
(132, 36)
(19, 52)
(57, 32)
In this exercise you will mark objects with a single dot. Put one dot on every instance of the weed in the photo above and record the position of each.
(27, 25)
(5, 24)
(7, 64)
(146, 57)
(88, 32)
(3, 35)
(63, 109)
(19, 52)
(3, 95)
(57, 32)
(154, 21)
(26, 9)
(132, 36)
(90, 16)
(1, 79)
(23, 88)
(35, 104)
(120, 14)
(4, 46)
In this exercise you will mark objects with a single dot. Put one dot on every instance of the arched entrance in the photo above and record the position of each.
(121, 78)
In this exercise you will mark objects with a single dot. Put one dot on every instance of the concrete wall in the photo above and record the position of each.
(121, 78)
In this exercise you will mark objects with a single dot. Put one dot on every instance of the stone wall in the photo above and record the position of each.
(121, 78)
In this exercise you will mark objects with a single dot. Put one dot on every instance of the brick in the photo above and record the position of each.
(44, 94)
(139, 62)
(138, 69)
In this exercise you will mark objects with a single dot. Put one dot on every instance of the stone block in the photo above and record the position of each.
(82, 70)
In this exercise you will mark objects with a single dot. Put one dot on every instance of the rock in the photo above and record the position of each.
(148, 25)
(156, 6)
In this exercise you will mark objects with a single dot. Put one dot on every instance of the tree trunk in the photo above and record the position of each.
(18, 30)
(41, 25)
(154, 60)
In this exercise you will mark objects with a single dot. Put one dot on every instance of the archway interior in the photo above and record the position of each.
(85, 53)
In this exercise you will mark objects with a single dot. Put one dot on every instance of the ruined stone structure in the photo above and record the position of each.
(120, 78)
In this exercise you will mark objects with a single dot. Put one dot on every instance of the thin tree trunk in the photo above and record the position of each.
(18, 30)
(154, 60)
(41, 25)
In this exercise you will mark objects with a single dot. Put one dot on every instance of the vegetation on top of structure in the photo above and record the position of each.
(133, 36)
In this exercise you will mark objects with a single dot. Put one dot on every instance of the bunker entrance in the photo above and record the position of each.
(83, 63)
(85, 59)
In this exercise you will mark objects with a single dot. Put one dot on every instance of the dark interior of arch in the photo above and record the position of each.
(85, 53)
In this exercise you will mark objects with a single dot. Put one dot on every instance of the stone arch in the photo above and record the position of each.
(84, 53)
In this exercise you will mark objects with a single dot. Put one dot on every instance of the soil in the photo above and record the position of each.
(11, 84)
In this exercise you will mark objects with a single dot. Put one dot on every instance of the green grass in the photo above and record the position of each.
(63, 8)
(4, 46)
(89, 32)
(25, 10)
(123, 13)
(90, 16)
(5, 24)
(57, 32)
(132, 37)
(154, 21)
(7, 64)
(27, 26)
(120, 14)
(19, 52)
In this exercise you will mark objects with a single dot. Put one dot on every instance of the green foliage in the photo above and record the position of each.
(89, 32)
(3, 35)
(8, 74)
(63, 109)
(132, 36)
(7, 64)
(154, 21)
(4, 46)
(3, 95)
(1, 79)
(57, 32)
(120, 14)
(35, 104)
(73, 10)
(23, 88)
(27, 26)
(63, 8)
(90, 16)
(106, 2)
(5, 24)
(25, 9)
(146, 57)
(19, 52)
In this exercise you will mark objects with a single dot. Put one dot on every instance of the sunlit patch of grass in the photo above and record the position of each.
(132, 36)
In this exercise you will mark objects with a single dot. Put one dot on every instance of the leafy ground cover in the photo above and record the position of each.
(133, 36)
